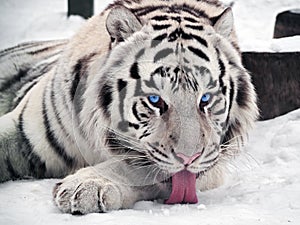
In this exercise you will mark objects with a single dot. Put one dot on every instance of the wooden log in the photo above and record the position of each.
(287, 24)
(84, 8)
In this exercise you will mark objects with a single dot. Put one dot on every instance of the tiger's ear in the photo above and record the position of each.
(121, 23)
(223, 24)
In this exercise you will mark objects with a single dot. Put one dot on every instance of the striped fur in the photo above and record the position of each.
(84, 102)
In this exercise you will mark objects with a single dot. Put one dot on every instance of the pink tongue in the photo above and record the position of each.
(183, 188)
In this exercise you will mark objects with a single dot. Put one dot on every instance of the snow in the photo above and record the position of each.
(255, 20)
(263, 184)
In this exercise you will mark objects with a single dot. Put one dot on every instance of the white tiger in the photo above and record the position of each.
(150, 97)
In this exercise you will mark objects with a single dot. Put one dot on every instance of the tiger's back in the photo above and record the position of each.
(21, 68)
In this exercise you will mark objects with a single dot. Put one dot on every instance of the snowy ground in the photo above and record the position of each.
(263, 185)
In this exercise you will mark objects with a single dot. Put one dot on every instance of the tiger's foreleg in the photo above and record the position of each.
(101, 189)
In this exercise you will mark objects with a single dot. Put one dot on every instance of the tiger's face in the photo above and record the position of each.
(170, 103)
(170, 97)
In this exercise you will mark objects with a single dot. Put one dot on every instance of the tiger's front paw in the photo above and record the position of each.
(87, 196)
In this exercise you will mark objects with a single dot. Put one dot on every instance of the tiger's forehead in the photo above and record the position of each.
(173, 57)
(184, 59)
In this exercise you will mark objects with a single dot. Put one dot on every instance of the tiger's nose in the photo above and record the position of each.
(187, 160)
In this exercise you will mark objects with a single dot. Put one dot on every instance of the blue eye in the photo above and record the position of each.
(154, 98)
(158, 102)
(204, 101)
(205, 98)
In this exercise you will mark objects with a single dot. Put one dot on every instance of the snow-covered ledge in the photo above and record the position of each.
(287, 44)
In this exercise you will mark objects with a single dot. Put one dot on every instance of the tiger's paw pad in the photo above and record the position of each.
(89, 196)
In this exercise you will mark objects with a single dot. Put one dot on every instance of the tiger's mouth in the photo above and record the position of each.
(183, 188)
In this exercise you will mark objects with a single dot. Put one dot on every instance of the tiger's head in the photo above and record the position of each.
(171, 92)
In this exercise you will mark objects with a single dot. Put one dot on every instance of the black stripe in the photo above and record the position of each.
(122, 95)
(161, 27)
(151, 83)
(189, 9)
(160, 18)
(18, 100)
(120, 147)
(32, 77)
(140, 53)
(146, 10)
(158, 159)
(37, 168)
(52, 139)
(79, 70)
(162, 54)
(53, 95)
(144, 115)
(209, 154)
(210, 161)
(160, 71)
(242, 95)
(216, 102)
(222, 74)
(14, 79)
(192, 20)
(212, 2)
(135, 126)
(212, 83)
(164, 108)
(199, 53)
(42, 50)
(13, 174)
(233, 129)
(121, 84)
(178, 33)
(158, 151)
(145, 134)
(20, 48)
(192, 83)
(157, 40)
(176, 8)
(135, 112)
(185, 36)
(177, 18)
(194, 27)
(221, 111)
(222, 68)
(105, 98)
(147, 106)
(200, 40)
(231, 95)
(134, 71)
